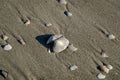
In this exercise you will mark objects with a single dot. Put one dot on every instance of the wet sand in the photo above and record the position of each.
(86, 29)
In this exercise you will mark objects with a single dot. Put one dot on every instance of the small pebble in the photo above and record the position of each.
(111, 36)
(74, 67)
(67, 13)
(101, 76)
(48, 24)
(110, 67)
(7, 47)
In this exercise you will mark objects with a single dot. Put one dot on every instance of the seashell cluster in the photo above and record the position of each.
(60, 43)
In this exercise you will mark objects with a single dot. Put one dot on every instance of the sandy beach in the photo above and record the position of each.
(86, 29)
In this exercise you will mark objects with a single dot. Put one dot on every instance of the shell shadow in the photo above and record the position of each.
(42, 39)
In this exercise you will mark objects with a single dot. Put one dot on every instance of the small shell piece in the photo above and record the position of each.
(21, 41)
(5, 37)
(110, 67)
(104, 69)
(52, 38)
(64, 2)
(111, 36)
(27, 22)
(4, 73)
(73, 48)
(104, 55)
(7, 47)
(48, 24)
(67, 13)
(101, 76)
(74, 67)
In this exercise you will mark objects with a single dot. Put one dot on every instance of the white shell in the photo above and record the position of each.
(52, 38)
(5, 73)
(64, 2)
(71, 47)
(101, 76)
(67, 13)
(104, 69)
(110, 67)
(48, 24)
(22, 41)
(60, 44)
(111, 36)
(27, 22)
(7, 47)
(74, 67)
(104, 55)
(5, 37)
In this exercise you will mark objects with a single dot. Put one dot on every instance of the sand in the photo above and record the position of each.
(86, 29)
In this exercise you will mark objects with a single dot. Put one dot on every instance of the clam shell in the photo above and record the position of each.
(101, 76)
(110, 67)
(74, 67)
(5, 37)
(73, 48)
(7, 47)
(60, 44)
(111, 36)
(64, 2)
(27, 22)
(67, 13)
(52, 38)
(48, 24)
(104, 55)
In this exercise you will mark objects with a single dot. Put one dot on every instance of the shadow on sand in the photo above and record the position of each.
(42, 39)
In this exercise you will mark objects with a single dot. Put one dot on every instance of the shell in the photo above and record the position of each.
(7, 47)
(52, 38)
(5, 73)
(101, 76)
(60, 44)
(71, 47)
(104, 69)
(27, 22)
(48, 24)
(110, 67)
(5, 37)
(64, 2)
(67, 13)
(111, 36)
(74, 67)
(104, 55)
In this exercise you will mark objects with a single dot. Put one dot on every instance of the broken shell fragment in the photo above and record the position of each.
(4, 73)
(21, 41)
(110, 67)
(104, 55)
(48, 24)
(4, 37)
(64, 2)
(74, 67)
(67, 13)
(111, 36)
(71, 47)
(104, 69)
(7, 47)
(101, 76)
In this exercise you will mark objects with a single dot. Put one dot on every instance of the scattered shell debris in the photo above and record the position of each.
(111, 36)
(21, 41)
(74, 67)
(72, 47)
(64, 2)
(48, 24)
(101, 76)
(67, 13)
(7, 47)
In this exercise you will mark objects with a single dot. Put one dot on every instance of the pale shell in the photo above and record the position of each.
(73, 48)
(110, 67)
(111, 36)
(104, 55)
(74, 67)
(48, 24)
(67, 13)
(27, 22)
(64, 2)
(5, 37)
(7, 47)
(104, 69)
(60, 44)
(52, 38)
(101, 76)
